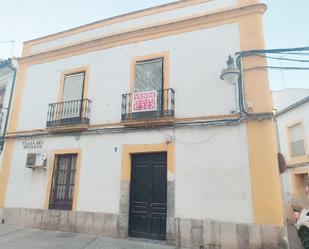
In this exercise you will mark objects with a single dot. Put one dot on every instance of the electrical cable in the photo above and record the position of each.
(272, 51)
(191, 143)
(276, 68)
(281, 58)
(290, 53)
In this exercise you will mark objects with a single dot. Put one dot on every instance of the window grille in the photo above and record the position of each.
(62, 190)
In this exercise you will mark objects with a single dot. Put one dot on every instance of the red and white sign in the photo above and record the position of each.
(144, 101)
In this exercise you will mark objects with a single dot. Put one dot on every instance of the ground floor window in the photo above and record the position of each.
(62, 189)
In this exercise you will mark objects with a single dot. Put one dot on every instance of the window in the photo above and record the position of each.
(72, 95)
(2, 94)
(62, 189)
(297, 143)
(73, 87)
(148, 75)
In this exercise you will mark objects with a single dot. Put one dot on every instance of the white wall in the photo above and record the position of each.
(287, 186)
(299, 113)
(212, 172)
(195, 66)
(288, 96)
(135, 23)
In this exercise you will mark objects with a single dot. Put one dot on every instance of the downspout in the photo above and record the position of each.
(240, 86)
(2, 139)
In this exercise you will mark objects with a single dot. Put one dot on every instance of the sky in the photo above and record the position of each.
(286, 25)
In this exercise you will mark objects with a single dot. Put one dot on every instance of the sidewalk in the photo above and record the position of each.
(13, 237)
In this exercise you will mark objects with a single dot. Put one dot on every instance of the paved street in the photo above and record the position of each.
(294, 241)
(13, 237)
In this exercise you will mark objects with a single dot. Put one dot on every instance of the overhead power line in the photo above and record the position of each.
(281, 58)
(278, 68)
(273, 51)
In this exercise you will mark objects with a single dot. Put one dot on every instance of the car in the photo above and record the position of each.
(302, 226)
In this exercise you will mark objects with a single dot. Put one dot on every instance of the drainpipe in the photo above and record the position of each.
(2, 138)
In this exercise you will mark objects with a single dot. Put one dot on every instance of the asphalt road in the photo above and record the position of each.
(13, 237)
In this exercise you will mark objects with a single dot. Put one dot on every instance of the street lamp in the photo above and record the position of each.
(231, 73)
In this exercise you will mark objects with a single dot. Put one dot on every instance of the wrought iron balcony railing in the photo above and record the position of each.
(75, 112)
(152, 104)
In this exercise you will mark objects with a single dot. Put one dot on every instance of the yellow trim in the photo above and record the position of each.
(166, 64)
(265, 181)
(77, 174)
(5, 170)
(64, 73)
(296, 174)
(298, 186)
(116, 19)
(120, 124)
(127, 150)
(297, 159)
(245, 2)
(18, 94)
(13, 123)
(299, 170)
(148, 32)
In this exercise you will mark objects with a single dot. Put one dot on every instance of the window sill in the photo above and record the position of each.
(67, 128)
(298, 160)
(148, 122)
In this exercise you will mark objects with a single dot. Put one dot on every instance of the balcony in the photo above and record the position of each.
(148, 108)
(69, 115)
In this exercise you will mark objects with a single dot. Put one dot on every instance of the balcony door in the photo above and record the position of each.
(149, 77)
(72, 98)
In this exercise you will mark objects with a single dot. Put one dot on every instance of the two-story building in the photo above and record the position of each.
(293, 131)
(123, 128)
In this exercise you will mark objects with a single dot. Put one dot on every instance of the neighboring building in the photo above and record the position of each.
(288, 96)
(7, 81)
(123, 128)
(7, 78)
(293, 134)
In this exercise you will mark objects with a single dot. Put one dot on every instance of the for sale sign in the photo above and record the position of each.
(144, 101)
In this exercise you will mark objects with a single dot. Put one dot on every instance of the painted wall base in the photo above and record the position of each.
(187, 233)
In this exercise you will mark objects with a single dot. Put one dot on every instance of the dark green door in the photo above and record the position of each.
(148, 196)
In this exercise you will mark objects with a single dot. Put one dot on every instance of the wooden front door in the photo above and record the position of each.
(148, 196)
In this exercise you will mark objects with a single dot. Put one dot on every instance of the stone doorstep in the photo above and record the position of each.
(185, 233)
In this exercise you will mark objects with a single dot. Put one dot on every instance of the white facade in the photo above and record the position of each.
(202, 53)
(101, 167)
(209, 165)
(195, 66)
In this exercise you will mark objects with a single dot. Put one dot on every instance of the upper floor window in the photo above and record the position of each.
(2, 94)
(73, 87)
(72, 108)
(297, 144)
(148, 75)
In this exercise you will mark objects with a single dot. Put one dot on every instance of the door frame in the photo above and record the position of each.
(50, 172)
(131, 218)
(124, 204)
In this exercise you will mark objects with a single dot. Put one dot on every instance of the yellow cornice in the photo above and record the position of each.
(147, 33)
(117, 19)
(120, 125)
